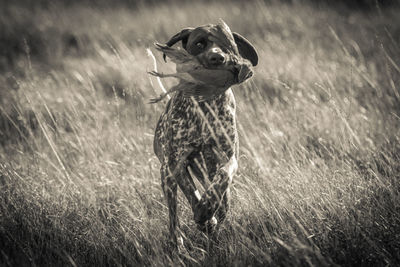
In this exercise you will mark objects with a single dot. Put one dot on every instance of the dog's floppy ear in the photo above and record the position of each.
(246, 49)
(183, 36)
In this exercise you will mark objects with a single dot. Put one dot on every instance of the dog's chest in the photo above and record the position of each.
(187, 123)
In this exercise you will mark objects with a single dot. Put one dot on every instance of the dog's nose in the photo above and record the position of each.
(216, 58)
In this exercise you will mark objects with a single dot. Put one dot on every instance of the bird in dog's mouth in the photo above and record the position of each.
(207, 68)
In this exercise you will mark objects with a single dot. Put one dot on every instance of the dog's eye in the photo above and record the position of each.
(201, 44)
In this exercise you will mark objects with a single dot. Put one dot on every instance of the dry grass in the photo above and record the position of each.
(318, 181)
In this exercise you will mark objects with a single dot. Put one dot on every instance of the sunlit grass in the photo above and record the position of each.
(318, 179)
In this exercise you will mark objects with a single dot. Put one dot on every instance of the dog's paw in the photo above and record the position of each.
(204, 211)
(209, 226)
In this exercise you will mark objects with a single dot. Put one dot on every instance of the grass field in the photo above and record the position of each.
(319, 170)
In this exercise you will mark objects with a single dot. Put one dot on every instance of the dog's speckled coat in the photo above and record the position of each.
(200, 138)
(203, 135)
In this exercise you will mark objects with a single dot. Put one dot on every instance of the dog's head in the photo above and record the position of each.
(216, 47)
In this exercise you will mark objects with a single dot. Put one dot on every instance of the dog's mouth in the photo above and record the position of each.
(241, 70)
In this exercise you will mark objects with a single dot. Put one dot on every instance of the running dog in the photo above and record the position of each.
(196, 137)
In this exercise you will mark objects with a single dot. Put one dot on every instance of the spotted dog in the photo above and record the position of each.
(199, 138)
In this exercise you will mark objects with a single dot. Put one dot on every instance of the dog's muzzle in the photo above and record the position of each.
(216, 57)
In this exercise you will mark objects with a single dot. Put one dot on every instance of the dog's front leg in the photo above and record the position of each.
(171, 173)
(170, 189)
(216, 197)
(188, 187)
(184, 179)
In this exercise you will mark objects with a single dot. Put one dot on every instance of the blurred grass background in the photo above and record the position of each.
(318, 180)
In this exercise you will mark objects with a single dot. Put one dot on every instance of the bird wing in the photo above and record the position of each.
(218, 78)
(177, 55)
(163, 95)
(191, 65)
